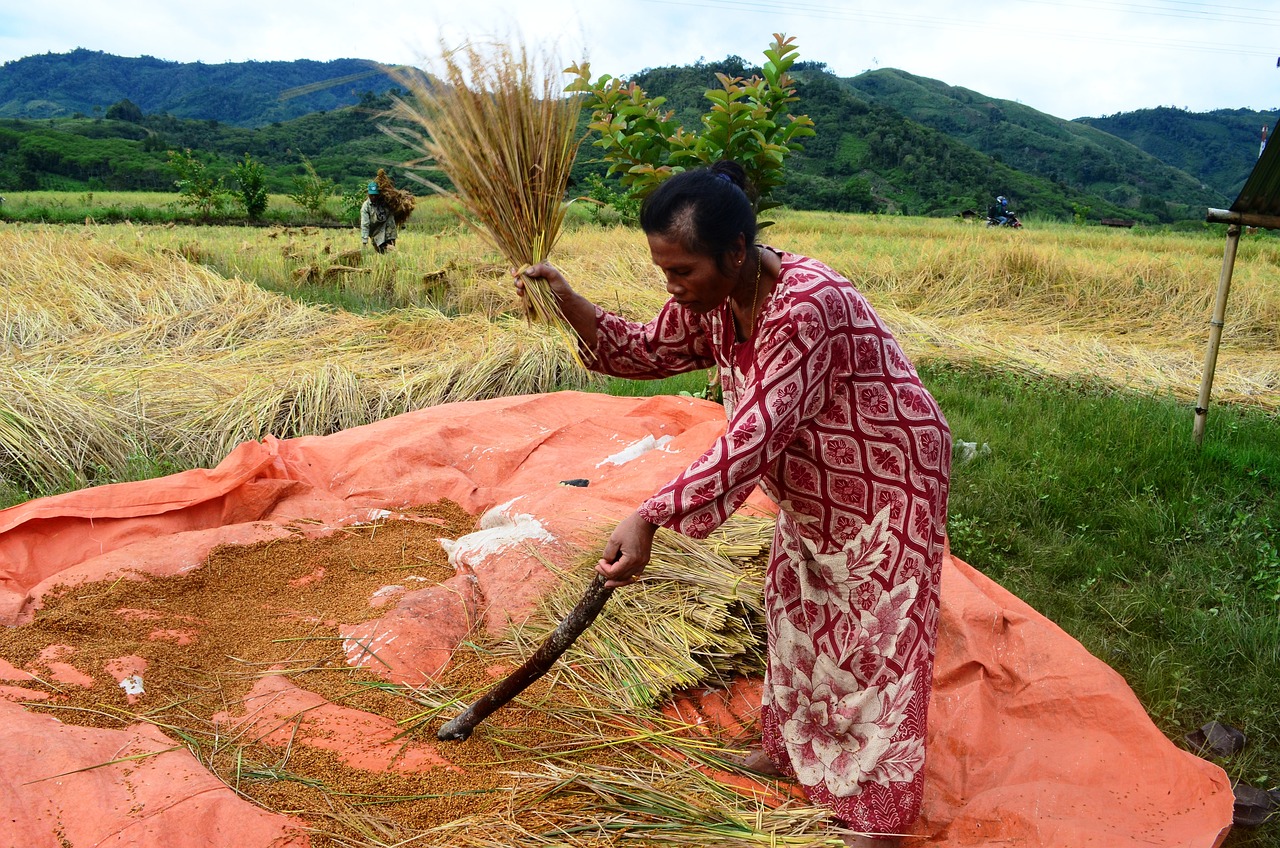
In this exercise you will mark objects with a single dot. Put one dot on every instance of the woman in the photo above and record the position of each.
(829, 417)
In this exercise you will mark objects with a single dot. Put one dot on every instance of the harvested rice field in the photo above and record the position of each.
(180, 343)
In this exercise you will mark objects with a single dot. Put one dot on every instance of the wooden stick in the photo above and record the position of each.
(569, 629)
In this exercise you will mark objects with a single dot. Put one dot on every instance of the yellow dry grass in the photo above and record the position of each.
(110, 353)
(117, 344)
(1118, 306)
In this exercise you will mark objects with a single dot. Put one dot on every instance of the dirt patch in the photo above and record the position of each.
(259, 614)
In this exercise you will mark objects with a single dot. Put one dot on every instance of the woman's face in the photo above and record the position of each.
(693, 280)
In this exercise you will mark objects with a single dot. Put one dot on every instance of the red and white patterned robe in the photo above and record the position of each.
(829, 417)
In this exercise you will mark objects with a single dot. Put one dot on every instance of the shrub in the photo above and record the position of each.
(252, 177)
(747, 123)
(312, 191)
(196, 187)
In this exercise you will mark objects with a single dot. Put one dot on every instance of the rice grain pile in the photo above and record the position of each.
(568, 763)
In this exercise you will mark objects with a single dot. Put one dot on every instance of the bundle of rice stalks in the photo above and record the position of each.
(696, 615)
(349, 258)
(400, 202)
(497, 123)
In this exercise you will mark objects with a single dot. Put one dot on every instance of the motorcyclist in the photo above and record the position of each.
(999, 212)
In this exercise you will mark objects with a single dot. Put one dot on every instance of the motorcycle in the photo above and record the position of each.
(1010, 220)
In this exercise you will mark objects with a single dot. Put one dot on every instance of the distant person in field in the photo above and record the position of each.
(826, 413)
(376, 222)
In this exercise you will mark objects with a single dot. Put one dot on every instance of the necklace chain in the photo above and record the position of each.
(755, 296)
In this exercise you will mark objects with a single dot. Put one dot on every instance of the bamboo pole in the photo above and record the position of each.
(1215, 331)
(1249, 219)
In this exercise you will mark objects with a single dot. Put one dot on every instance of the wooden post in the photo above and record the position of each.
(1215, 331)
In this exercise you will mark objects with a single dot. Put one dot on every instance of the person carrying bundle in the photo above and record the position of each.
(377, 222)
(827, 414)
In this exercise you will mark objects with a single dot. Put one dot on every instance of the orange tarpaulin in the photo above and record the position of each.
(1032, 741)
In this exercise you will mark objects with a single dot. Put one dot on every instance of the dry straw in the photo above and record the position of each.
(111, 355)
(697, 615)
(400, 202)
(495, 120)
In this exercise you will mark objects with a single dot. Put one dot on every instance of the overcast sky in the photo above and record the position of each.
(1069, 58)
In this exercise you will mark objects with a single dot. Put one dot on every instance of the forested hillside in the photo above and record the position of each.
(868, 157)
(1071, 154)
(113, 153)
(886, 141)
(248, 94)
(1219, 148)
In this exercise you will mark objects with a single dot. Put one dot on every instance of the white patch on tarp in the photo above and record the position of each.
(500, 530)
(636, 450)
(132, 685)
(362, 652)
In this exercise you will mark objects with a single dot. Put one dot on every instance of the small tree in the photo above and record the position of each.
(125, 110)
(196, 187)
(252, 177)
(312, 191)
(747, 123)
(351, 200)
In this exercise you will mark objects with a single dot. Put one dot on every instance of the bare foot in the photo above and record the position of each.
(758, 761)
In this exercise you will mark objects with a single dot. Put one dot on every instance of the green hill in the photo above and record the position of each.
(867, 156)
(1073, 154)
(75, 154)
(1219, 148)
(886, 141)
(248, 94)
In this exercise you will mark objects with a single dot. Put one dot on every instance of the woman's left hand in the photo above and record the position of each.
(627, 552)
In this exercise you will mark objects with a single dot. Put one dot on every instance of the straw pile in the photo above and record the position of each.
(400, 202)
(496, 122)
(110, 355)
(697, 615)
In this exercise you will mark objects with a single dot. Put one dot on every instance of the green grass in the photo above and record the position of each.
(147, 207)
(139, 467)
(695, 383)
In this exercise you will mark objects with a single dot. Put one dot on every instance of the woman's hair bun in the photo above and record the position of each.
(731, 170)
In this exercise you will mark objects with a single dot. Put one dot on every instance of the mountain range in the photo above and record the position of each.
(887, 140)
(245, 94)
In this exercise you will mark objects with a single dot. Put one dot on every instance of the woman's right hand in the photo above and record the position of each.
(551, 274)
(580, 312)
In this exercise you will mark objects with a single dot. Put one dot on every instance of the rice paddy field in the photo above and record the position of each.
(179, 342)
(1073, 354)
